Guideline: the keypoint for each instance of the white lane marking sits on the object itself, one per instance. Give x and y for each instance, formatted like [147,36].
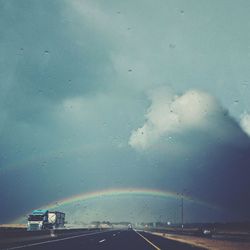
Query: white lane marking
[100,241]
[152,244]
[50,241]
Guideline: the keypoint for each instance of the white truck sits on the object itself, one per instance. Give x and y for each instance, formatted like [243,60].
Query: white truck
[44,219]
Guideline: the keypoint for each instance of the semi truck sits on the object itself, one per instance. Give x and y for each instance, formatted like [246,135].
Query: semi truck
[44,219]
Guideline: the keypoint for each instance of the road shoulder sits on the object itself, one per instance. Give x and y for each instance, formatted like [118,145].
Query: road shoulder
[208,243]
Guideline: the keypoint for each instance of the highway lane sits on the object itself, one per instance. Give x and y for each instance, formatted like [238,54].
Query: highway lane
[108,240]
[164,243]
[12,239]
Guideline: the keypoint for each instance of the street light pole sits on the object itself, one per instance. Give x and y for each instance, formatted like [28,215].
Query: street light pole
[182,209]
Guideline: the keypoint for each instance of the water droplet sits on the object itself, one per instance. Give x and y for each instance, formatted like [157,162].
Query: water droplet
[182,12]
[44,163]
[46,51]
[245,83]
[130,70]
[172,46]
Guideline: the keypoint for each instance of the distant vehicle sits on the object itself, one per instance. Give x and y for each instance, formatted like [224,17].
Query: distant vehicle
[130,227]
[45,219]
[206,231]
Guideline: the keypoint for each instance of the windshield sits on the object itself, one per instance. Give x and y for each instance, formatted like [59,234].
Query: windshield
[130,114]
[35,218]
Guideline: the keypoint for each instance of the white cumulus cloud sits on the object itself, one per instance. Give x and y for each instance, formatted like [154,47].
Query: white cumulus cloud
[170,113]
[245,122]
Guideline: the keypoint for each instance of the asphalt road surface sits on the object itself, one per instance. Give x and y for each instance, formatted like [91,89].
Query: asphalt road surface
[113,239]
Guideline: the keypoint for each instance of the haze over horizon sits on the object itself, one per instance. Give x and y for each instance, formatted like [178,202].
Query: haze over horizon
[99,95]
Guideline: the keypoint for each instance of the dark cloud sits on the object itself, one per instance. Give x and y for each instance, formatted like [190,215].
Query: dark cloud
[198,147]
[43,61]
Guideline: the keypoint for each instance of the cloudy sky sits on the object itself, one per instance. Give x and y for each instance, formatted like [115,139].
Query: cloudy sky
[125,94]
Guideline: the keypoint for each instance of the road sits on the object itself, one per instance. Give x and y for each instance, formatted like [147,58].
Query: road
[112,239]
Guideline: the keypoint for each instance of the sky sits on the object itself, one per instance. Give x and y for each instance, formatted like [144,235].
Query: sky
[99,95]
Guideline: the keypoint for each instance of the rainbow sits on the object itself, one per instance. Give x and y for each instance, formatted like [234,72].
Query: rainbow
[116,192]
[113,192]
[120,192]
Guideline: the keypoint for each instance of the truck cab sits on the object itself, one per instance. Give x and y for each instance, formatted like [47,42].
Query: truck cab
[37,220]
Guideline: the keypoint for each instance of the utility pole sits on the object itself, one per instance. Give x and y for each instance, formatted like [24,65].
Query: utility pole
[182,209]
[182,215]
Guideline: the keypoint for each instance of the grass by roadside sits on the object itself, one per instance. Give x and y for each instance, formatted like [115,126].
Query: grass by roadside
[13,226]
[208,243]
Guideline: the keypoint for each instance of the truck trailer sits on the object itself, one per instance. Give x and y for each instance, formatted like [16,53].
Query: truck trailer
[44,219]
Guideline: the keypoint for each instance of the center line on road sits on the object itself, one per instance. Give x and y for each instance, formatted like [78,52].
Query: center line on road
[102,240]
[152,244]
